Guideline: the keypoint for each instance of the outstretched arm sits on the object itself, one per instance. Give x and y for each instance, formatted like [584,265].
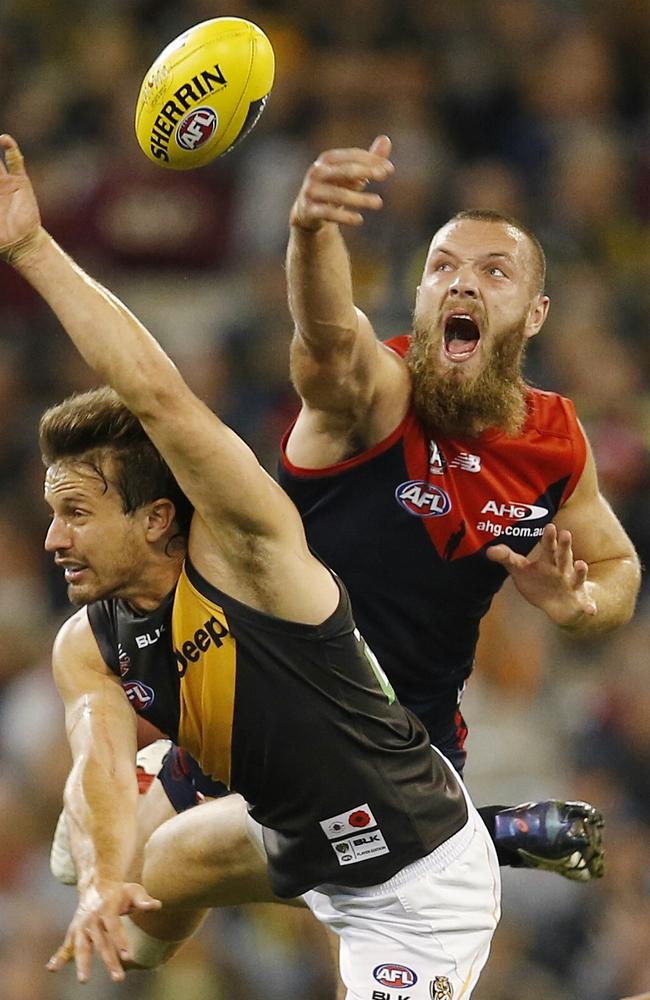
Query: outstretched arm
[101,802]
[350,385]
[214,467]
[584,573]
[247,536]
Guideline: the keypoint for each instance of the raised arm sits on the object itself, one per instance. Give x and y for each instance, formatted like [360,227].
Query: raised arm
[585,573]
[101,800]
[248,537]
[353,389]
[215,468]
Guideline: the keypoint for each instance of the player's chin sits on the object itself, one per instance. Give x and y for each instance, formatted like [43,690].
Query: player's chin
[461,371]
[83,593]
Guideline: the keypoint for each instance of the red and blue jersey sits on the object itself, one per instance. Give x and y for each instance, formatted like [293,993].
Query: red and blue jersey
[406,525]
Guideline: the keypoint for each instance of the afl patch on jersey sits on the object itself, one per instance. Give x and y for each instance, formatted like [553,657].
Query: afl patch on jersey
[140,695]
[421,499]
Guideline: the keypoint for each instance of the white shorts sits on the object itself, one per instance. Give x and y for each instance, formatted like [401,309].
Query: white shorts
[424,934]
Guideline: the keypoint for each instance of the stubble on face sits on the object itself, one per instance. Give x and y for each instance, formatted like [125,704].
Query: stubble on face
[105,550]
[111,573]
[452,404]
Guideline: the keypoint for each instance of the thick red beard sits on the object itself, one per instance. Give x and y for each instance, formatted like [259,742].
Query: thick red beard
[465,407]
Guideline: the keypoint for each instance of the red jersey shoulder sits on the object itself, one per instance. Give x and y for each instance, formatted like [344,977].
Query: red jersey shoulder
[399,344]
[551,413]
[554,416]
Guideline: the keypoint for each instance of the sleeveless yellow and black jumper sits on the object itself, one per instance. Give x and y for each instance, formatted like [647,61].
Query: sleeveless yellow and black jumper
[299,719]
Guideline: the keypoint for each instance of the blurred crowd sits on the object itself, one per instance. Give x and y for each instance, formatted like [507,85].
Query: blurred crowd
[536,108]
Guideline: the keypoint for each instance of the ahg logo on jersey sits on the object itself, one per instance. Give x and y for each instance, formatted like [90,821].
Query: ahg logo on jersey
[422,499]
[514,510]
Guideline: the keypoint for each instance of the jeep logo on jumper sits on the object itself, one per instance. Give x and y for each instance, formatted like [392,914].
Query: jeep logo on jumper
[212,631]
[422,499]
[196,128]
[395,976]
[515,511]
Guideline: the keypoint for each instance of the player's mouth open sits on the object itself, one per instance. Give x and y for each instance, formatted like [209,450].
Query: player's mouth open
[461,337]
[72,572]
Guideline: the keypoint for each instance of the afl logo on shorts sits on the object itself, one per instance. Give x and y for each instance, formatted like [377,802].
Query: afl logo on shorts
[140,695]
[422,499]
[196,128]
[397,977]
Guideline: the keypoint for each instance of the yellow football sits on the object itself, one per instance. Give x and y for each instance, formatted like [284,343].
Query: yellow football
[204,92]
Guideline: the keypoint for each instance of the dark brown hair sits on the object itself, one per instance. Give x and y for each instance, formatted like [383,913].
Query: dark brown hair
[93,426]
[487,215]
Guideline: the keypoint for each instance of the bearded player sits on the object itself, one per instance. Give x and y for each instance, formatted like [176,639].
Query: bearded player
[427,470]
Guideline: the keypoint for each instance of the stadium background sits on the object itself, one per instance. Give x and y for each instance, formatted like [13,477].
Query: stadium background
[539,108]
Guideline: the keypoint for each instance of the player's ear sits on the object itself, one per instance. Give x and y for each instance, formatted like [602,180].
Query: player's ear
[159,519]
[537,314]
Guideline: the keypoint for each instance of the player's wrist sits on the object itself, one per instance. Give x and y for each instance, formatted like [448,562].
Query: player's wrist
[297,221]
[21,250]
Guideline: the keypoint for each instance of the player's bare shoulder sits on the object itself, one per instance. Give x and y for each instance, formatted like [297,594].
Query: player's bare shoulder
[75,649]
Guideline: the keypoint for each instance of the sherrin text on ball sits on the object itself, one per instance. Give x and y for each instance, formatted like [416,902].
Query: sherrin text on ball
[204,92]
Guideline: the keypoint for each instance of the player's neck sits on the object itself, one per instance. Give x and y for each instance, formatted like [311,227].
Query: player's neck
[153,584]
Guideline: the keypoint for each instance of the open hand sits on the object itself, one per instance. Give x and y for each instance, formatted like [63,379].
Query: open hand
[549,578]
[96,927]
[334,186]
[20,218]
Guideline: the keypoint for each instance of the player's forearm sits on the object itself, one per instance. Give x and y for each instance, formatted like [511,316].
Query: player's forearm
[614,586]
[320,292]
[101,815]
[108,336]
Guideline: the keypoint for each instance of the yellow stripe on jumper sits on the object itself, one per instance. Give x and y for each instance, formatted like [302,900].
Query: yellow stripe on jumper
[206,657]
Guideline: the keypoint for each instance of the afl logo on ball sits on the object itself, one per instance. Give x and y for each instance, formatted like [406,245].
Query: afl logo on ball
[422,499]
[196,128]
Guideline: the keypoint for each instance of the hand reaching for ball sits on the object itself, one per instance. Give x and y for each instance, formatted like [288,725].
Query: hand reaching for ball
[334,188]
